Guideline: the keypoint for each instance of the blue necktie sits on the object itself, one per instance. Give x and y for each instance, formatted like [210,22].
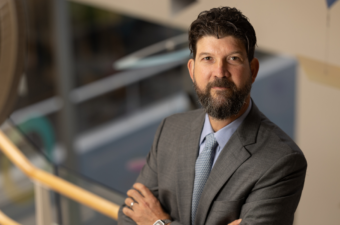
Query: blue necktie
[202,170]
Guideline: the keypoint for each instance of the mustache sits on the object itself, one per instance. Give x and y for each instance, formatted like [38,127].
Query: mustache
[223,83]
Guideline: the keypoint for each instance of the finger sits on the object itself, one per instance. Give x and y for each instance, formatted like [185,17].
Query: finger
[128,212]
[128,202]
[135,195]
[236,222]
[143,190]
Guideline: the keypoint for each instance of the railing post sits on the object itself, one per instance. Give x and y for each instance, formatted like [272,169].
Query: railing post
[42,204]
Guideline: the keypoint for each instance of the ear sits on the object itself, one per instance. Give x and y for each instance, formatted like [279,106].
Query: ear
[191,66]
[254,67]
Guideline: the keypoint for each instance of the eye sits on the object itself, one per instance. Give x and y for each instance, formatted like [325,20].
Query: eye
[236,60]
[208,58]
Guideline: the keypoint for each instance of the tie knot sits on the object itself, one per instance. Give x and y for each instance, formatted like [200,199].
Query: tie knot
[210,141]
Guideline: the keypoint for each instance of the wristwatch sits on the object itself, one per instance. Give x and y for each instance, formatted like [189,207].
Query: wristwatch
[162,222]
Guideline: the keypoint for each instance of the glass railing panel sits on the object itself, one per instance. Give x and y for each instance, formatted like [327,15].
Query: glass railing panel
[46,161]
[38,157]
[17,190]
[74,213]
[92,186]
[17,193]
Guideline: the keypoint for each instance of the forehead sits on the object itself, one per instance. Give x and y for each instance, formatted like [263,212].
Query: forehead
[221,46]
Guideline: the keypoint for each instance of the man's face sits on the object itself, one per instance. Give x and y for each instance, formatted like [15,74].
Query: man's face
[222,75]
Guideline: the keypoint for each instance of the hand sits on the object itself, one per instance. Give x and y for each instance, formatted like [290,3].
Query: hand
[146,209]
[236,222]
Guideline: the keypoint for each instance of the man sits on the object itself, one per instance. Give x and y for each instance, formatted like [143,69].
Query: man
[226,163]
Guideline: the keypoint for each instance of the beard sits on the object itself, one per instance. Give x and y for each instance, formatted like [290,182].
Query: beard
[225,103]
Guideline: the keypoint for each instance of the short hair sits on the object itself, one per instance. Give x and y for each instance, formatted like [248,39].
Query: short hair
[222,22]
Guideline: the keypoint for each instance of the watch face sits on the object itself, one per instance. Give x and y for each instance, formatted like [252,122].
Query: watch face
[158,222]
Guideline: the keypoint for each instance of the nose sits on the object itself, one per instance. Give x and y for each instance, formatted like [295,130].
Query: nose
[221,69]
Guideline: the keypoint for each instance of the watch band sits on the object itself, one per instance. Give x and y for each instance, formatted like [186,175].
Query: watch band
[162,222]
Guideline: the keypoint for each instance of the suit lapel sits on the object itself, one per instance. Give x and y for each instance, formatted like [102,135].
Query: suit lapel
[186,168]
[232,156]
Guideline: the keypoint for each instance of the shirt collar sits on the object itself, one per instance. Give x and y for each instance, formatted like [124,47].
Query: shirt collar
[223,135]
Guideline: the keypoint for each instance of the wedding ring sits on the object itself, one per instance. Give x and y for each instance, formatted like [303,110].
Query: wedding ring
[131,205]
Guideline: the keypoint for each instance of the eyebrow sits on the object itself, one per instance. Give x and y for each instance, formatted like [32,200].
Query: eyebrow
[208,53]
[204,53]
[236,52]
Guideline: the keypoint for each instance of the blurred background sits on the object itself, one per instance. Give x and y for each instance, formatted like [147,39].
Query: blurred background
[100,75]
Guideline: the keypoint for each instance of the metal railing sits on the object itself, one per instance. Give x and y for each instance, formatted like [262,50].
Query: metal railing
[44,180]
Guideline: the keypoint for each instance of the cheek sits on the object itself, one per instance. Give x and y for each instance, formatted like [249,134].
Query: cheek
[204,75]
[241,76]
[201,76]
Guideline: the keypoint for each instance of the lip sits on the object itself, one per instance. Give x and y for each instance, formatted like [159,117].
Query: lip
[219,88]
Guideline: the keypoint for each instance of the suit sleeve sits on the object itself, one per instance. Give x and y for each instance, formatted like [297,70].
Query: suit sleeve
[277,193]
[148,175]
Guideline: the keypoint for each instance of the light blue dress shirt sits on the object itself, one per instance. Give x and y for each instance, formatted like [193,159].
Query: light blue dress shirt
[223,135]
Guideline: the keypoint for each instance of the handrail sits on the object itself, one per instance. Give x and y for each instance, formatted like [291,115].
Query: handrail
[5,220]
[57,184]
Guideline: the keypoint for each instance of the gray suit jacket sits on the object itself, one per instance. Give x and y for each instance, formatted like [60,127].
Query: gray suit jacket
[258,176]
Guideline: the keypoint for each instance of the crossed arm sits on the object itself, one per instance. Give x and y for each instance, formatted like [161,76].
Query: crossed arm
[272,201]
[146,209]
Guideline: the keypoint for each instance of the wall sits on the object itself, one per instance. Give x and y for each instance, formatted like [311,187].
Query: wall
[318,133]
